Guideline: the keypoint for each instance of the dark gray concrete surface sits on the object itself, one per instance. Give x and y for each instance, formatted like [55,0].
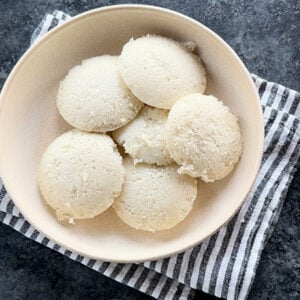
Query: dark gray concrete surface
[266,35]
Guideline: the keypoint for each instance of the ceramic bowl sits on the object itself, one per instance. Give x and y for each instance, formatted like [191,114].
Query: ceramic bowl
[29,121]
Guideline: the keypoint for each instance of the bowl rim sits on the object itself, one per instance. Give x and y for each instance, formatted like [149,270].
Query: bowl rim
[157,9]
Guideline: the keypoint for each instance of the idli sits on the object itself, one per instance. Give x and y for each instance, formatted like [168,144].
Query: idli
[154,198]
[93,96]
[80,174]
[144,138]
[203,137]
[159,70]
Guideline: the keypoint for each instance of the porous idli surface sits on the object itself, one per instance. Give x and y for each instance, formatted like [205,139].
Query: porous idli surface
[93,97]
[80,174]
[203,137]
[144,139]
[159,71]
[154,198]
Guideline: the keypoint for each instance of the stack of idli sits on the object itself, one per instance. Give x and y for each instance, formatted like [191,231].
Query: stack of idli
[150,102]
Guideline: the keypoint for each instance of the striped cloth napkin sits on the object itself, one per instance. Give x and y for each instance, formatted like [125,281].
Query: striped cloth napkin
[224,264]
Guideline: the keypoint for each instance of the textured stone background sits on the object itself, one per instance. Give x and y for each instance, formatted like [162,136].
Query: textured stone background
[266,35]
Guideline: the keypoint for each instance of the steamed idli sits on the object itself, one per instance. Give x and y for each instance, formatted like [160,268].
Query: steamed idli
[144,139]
[93,97]
[80,174]
[154,198]
[204,137]
[159,70]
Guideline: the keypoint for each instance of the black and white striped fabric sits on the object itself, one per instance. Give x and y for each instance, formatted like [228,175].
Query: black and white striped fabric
[224,264]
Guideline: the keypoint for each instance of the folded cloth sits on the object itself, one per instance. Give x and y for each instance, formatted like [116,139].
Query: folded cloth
[224,264]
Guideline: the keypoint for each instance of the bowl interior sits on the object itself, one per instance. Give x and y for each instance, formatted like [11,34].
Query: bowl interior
[30,121]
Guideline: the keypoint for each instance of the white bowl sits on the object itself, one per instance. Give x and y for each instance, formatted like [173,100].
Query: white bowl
[29,121]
